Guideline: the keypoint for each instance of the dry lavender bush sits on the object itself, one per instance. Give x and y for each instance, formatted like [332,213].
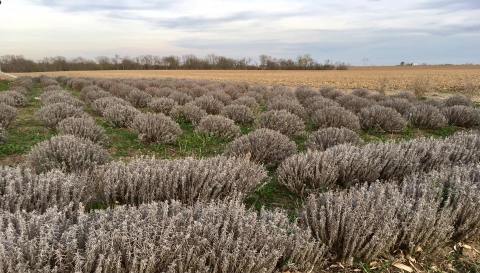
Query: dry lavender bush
[359,223]
[319,102]
[159,237]
[13,98]
[210,104]
[325,138]
[139,98]
[428,117]
[180,98]
[382,118]
[304,94]
[218,126]
[101,104]
[289,104]
[363,93]
[458,189]
[310,172]
[354,103]
[68,153]
[462,116]
[120,115]
[93,92]
[283,121]
[189,112]
[337,117]
[7,115]
[23,190]
[58,96]
[162,105]
[83,127]
[156,128]
[238,113]
[3,135]
[263,145]
[330,93]
[458,100]
[248,101]
[50,115]
[384,161]
[408,216]
[188,180]
[402,106]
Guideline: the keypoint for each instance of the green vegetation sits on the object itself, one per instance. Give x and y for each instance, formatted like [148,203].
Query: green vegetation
[26,131]
[124,142]
[3,85]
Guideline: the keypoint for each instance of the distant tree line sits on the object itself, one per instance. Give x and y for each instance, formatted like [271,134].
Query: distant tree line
[18,63]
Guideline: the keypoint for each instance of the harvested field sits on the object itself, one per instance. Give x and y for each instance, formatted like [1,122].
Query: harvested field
[437,78]
[298,180]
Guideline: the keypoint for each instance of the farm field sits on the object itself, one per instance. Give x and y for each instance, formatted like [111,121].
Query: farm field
[234,172]
[439,78]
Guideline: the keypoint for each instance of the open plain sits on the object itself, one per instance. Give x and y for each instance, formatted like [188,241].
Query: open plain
[438,78]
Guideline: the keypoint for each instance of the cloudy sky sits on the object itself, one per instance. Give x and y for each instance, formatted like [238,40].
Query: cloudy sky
[355,31]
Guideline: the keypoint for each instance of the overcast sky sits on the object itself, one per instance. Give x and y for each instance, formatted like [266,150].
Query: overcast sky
[354,31]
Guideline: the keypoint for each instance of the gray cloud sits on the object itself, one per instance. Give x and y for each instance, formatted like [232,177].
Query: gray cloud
[105,5]
[451,5]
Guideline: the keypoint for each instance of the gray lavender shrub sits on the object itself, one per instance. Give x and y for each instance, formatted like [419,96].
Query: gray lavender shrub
[238,113]
[371,162]
[304,94]
[289,104]
[120,115]
[162,105]
[3,135]
[50,115]
[354,103]
[139,98]
[159,237]
[382,119]
[263,145]
[283,121]
[156,128]
[402,106]
[23,190]
[413,218]
[218,126]
[91,93]
[317,103]
[330,93]
[180,98]
[188,180]
[325,138]
[408,95]
[428,117]
[189,112]
[221,96]
[62,97]
[248,101]
[101,104]
[83,127]
[458,100]
[13,98]
[210,104]
[68,153]
[7,115]
[363,93]
[424,223]
[337,117]
[462,116]
[310,172]
[462,184]
[358,223]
